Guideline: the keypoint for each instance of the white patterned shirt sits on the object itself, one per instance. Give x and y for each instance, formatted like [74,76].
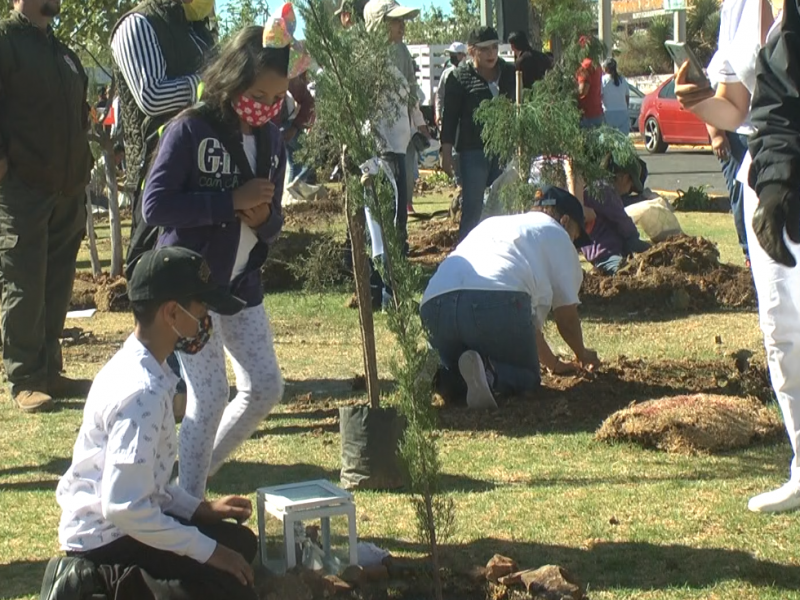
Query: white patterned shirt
[118,483]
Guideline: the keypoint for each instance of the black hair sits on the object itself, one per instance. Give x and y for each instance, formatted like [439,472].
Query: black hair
[610,66]
[519,40]
[144,311]
[236,67]
[119,148]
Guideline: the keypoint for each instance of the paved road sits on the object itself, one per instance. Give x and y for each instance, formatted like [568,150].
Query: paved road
[680,168]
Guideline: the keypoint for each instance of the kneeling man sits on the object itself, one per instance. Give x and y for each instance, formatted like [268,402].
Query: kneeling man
[128,533]
[486,305]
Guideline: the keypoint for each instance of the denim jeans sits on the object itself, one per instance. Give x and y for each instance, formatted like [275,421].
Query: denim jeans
[498,325]
[478,172]
[730,167]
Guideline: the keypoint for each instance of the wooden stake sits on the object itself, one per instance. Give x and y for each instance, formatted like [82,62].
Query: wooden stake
[97,268]
[523,173]
[356,223]
[115,225]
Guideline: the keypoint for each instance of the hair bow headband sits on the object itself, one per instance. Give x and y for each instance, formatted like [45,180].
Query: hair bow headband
[279,33]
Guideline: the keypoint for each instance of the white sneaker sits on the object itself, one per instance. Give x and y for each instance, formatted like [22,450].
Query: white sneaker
[786,497]
[479,394]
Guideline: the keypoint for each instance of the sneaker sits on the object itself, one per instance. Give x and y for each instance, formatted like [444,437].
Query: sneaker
[786,497]
[410,209]
[479,394]
[63,387]
[71,579]
[32,401]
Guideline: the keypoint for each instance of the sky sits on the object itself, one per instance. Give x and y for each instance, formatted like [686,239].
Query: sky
[275,4]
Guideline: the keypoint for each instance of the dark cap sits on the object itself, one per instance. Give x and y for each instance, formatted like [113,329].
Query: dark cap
[483,36]
[566,204]
[175,273]
[632,168]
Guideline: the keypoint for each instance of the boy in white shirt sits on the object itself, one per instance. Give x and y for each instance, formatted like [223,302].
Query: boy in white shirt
[486,305]
[128,533]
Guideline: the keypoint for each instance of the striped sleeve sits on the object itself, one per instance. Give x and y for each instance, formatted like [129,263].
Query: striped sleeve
[138,55]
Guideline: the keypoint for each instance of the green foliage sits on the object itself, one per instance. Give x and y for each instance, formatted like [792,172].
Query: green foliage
[350,90]
[547,125]
[695,199]
[702,28]
[566,20]
[434,26]
[321,269]
[86,26]
[240,14]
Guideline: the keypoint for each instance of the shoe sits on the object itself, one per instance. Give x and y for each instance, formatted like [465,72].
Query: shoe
[32,401]
[479,394]
[71,579]
[63,387]
[786,497]
[410,209]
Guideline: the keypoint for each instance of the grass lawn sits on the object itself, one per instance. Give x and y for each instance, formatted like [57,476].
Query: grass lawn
[629,523]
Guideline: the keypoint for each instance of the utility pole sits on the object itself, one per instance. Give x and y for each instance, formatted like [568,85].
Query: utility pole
[604,25]
[487,10]
[679,25]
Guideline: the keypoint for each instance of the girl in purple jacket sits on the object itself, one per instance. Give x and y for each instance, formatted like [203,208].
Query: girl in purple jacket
[202,199]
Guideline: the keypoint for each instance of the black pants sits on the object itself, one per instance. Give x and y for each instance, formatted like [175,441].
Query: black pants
[40,235]
[134,571]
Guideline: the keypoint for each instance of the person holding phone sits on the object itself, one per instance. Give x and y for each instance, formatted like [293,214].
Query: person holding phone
[744,28]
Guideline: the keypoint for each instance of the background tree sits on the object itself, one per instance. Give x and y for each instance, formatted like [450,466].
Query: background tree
[86,26]
[435,26]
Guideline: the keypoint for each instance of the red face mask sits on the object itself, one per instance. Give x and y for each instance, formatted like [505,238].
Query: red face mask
[255,113]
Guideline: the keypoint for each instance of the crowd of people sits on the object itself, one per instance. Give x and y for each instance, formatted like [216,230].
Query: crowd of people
[208,142]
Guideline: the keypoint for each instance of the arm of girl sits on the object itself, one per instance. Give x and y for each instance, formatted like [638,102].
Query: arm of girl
[169,199]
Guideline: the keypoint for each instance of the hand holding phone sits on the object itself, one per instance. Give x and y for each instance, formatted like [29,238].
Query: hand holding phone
[681,54]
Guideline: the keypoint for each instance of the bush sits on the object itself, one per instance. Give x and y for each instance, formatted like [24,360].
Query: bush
[695,199]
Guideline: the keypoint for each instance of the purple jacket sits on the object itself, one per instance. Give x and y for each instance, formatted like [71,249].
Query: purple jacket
[612,228]
[189,194]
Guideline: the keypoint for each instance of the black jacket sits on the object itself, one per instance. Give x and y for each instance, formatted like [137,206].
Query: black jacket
[534,65]
[44,117]
[463,93]
[775,146]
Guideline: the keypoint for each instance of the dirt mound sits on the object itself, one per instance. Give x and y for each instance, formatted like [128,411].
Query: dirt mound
[681,274]
[105,294]
[689,424]
[583,402]
[316,212]
[432,241]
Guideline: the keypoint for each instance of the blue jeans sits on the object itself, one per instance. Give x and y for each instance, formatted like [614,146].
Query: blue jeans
[592,122]
[730,167]
[478,172]
[497,325]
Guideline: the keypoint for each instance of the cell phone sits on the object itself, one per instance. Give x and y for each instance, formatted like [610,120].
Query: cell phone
[681,53]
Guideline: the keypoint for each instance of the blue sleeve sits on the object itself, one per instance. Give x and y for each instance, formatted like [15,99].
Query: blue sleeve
[168,200]
[271,228]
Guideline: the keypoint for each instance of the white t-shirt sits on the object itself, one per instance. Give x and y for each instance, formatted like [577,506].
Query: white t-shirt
[394,129]
[739,44]
[247,238]
[529,253]
[614,95]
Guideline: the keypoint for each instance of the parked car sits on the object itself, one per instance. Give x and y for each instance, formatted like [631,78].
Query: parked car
[635,106]
[663,121]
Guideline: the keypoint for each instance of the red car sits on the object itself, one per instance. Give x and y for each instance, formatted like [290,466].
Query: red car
[663,121]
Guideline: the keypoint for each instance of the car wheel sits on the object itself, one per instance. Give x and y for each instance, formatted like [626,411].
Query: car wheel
[653,141]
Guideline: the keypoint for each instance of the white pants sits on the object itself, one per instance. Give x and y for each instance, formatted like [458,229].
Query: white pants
[778,291]
[212,427]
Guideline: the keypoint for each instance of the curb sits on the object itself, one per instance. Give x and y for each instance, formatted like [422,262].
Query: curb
[703,147]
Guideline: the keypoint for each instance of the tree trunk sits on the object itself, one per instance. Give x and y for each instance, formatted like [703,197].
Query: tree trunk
[355,225]
[113,209]
[97,268]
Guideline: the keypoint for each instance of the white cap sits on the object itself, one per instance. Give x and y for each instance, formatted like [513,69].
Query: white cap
[377,11]
[457,48]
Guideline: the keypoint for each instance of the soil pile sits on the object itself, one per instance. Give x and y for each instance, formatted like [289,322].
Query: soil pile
[582,402]
[690,424]
[432,241]
[106,294]
[680,274]
[301,255]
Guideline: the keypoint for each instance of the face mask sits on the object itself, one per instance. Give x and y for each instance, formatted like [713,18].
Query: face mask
[255,113]
[193,345]
[198,10]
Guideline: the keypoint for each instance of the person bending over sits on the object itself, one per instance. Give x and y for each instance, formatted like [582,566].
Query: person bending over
[486,305]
